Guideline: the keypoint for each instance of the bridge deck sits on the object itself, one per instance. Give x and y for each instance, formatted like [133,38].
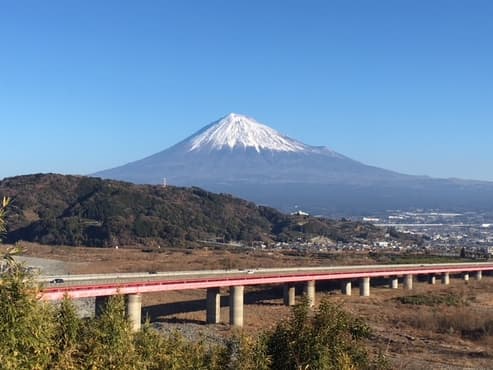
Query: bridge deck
[81,286]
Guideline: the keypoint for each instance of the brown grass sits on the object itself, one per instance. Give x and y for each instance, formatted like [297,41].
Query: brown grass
[473,323]
[81,260]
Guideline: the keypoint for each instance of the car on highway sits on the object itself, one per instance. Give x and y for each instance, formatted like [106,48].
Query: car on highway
[57,281]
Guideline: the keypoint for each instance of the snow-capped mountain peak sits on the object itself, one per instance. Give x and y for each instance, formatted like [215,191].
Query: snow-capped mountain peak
[238,131]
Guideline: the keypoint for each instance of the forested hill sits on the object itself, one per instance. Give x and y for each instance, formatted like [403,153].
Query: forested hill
[77,210]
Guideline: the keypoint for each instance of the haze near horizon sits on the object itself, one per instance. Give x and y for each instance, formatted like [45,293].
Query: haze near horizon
[404,86]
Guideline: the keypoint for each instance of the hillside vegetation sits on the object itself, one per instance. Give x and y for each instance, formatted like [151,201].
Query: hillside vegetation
[78,210]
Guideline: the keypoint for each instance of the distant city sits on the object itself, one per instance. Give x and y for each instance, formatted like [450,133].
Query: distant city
[467,234]
[443,232]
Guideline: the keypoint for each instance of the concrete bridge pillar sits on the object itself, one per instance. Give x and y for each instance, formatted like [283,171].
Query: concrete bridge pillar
[446,278]
[431,279]
[408,282]
[394,283]
[364,287]
[289,294]
[133,307]
[100,304]
[466,276]
[213,305]
[236,305]
[479,275]
[346,287]
[309,291]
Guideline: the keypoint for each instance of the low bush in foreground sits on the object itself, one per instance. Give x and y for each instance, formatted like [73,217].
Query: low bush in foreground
[328,338]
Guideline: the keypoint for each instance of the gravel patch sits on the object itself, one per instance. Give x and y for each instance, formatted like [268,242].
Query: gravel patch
[209,334]
[45,266]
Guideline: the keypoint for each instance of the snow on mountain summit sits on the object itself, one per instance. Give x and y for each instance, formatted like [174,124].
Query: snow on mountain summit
[238,131]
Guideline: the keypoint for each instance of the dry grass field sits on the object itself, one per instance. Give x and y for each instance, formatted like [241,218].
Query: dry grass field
[430,327]
[81,260]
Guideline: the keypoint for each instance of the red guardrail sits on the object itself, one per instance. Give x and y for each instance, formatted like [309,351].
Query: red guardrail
[93,290]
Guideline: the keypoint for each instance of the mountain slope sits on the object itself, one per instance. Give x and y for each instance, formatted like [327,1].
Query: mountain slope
[75,210]
[239,149]
[241,156]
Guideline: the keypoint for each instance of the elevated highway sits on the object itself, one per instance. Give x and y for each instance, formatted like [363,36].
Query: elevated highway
[133,285]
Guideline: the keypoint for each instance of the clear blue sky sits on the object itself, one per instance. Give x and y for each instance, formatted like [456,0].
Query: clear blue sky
[405,85]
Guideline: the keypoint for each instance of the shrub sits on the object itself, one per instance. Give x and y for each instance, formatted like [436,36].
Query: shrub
[430,299]
[244,353]
[26,325]
[464,322]
[3,210]
[327,339]
[109,341]
[68,334]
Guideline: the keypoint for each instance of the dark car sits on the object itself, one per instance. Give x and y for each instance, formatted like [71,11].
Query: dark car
[57,281]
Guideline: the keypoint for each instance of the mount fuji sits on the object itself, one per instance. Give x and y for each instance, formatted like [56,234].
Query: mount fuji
[238,155]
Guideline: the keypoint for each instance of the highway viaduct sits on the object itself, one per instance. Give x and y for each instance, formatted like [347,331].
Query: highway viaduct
[133,285]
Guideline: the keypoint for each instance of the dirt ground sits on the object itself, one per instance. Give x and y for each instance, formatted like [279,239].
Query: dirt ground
[455,334]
